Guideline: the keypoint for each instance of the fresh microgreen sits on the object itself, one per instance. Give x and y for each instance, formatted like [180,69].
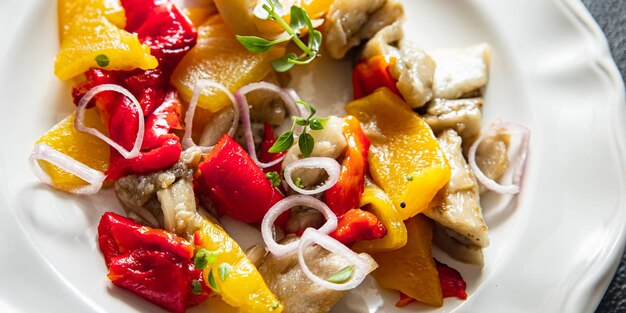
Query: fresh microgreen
[298,183]
[102,60]
[204,257]
[273,10]
[342,276]
[306,142]
[196,287]
[274,178]
[212,282]
[223,270]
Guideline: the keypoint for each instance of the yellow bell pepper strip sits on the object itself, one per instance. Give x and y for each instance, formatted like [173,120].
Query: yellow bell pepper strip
[82,147]
[67,10]
[219,57]
[411,269]
[243,286]
[405,158]
[90,40]
[375,200]
[199,15]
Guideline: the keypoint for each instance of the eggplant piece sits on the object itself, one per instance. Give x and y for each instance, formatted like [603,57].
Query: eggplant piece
[461,72]
[296,292]
[413,68]
[456,208]
[463,115]
[351,21]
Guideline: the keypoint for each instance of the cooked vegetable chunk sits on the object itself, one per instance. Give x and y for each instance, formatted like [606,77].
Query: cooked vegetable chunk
[457,206]
[411,269]
[351,21]
[463,115]
[405,158]
[461,71]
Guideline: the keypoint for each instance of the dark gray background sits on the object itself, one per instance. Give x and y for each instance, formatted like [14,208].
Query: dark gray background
[611,16]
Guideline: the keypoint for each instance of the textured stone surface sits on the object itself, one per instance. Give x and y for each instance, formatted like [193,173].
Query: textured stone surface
[611,16]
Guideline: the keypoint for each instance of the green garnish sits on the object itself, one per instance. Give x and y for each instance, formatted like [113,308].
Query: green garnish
[196,287]
[342,276]
[212,282]
[306,142]
[275,305]
[102,60]
[223,270]
[409,177]
[299,183]
[274,178]
[205,257]
[299,20]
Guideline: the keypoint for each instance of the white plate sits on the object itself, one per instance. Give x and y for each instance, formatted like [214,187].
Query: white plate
[554,251]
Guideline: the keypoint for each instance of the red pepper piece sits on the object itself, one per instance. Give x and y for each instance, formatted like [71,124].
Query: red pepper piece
[372,74]
[235,184]
[357,225]
[452,285]
[118,235]
[159,277]
[162,26]
[264,155]
[346,194]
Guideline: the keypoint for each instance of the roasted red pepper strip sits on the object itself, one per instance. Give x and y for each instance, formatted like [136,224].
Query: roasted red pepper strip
[371,74]
[235,184]
[452,285]
[151,263]
[357,225]
[264,155]
[346,194]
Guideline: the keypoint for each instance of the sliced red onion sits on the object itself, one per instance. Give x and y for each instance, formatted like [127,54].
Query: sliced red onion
[46,153]
[363,263]
[244,110]
[285,205]
[191,111]
[330,165]
[79,122]
[496,128]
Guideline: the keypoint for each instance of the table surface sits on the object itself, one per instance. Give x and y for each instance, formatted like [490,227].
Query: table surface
[611,16]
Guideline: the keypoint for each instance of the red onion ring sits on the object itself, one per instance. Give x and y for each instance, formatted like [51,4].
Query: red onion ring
[244,110]
[363,263]
[283,206]
[330,165]
[46,153]
[191,111]
[79,122]
[495,128]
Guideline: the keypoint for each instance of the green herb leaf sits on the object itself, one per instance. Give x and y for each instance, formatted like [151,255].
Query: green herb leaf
[342,276]
[315,40]
[196,287]
[308,106]
[283,143]
[298,183]
[223,270]
[212,282]
[102,60]
[316,124]
[299,18]
[302,122]
[255,44]
[306,143]
[205,257]
[274,178]
[283,64]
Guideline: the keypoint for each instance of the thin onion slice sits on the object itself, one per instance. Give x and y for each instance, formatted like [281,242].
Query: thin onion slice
[362,263]
[496,128]
[191,111]
[285,205]
[330,165]
[79,122]
[244,111]
[43,152]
